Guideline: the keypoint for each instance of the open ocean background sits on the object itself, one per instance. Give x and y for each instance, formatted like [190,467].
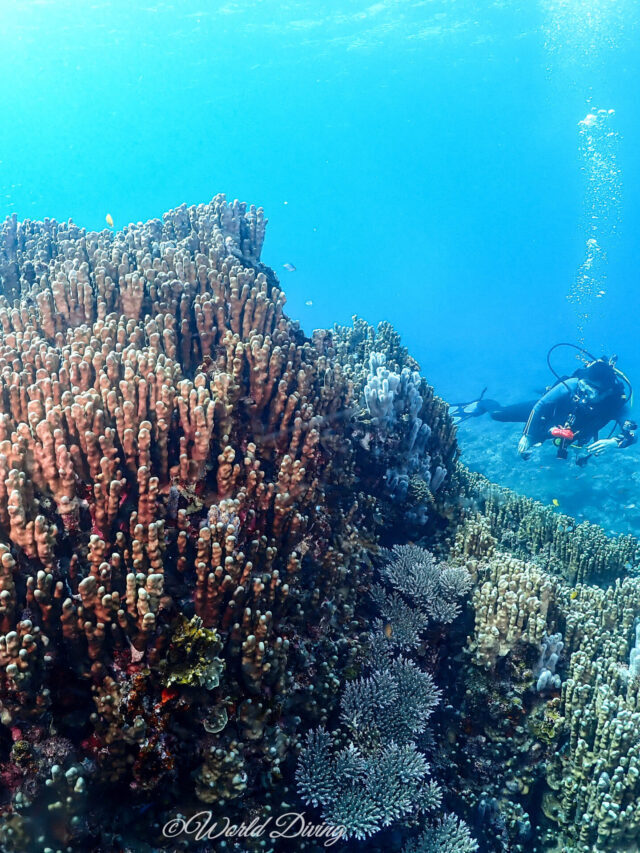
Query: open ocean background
[419,162]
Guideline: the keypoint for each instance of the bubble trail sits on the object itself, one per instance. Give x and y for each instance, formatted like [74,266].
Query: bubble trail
[598,143]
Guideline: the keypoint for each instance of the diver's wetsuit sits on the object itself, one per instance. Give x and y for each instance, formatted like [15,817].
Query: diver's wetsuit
[555,407]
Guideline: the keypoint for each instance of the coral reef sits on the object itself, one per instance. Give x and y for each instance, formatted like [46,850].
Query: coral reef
[595,779]
[186,527]
[578,552]
[569,735]
[404,440]
[237,562]
[164,487]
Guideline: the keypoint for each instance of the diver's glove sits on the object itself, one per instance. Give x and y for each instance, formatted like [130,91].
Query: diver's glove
[603,446]
[524,447]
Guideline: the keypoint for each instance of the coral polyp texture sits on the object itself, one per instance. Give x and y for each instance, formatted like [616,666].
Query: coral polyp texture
[184,532]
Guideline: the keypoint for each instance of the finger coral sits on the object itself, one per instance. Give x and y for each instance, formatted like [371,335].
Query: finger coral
[160,428]
[579,552]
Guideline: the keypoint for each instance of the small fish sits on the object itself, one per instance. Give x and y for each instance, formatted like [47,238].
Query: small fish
[574,594]
[109,220]
[555,502]
[388,630]
[309,302]
[289,267]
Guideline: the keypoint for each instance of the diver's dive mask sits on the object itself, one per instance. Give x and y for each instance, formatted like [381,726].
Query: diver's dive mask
[586,393]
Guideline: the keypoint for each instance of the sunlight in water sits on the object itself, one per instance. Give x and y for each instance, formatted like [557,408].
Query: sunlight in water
[579,31]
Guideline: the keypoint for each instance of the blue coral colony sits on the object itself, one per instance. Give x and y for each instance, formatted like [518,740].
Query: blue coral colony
[242,572]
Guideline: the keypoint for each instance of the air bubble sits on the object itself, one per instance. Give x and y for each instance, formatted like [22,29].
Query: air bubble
[598,149]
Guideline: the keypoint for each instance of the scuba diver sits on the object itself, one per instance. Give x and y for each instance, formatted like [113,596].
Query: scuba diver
[571,412]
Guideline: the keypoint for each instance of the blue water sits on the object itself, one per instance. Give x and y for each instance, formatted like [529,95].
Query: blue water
[418,162]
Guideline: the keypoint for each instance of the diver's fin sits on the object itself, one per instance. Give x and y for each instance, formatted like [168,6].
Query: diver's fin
[461,412]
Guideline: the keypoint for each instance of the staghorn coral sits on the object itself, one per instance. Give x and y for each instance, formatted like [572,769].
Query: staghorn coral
[364,791]
[425,595]
[392,705]
[403,623]
[373,773]
[447,835]
[431,587]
